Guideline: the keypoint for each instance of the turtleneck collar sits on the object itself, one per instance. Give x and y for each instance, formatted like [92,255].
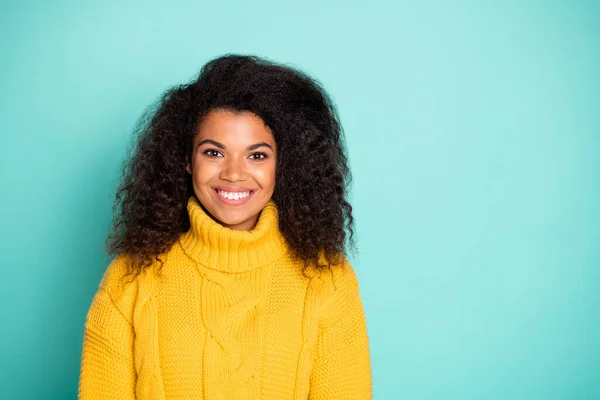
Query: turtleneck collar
[229,250]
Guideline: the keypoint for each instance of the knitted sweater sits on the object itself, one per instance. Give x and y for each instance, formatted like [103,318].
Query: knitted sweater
[230,316]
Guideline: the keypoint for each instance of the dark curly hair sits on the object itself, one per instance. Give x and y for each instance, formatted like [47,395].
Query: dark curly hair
[312,174]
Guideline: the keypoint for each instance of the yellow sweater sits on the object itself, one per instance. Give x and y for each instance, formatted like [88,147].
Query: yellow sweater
[231,317]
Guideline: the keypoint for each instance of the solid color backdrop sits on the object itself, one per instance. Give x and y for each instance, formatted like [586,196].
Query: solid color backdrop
[474,134]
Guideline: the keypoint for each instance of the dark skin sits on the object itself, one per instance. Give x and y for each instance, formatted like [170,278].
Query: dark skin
[233,167]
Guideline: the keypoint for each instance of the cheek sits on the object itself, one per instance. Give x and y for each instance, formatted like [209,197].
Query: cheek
[204,172]
[265,176]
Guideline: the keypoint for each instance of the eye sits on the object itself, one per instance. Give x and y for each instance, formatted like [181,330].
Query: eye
[258,156]
[212,153]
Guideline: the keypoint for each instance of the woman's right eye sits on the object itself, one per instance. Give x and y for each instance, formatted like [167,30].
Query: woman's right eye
[211,153]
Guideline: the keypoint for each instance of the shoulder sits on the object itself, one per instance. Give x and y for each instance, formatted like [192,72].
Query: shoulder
[344,272]
[122,287]
[115,273]
[341,291]
[118,277]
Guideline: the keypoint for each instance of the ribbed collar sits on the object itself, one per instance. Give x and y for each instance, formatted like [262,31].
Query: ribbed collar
[229,250]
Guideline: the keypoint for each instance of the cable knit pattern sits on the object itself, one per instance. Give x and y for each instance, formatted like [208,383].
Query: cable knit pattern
[232,316]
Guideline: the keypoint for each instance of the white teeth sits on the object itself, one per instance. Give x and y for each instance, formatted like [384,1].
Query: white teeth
[233,195]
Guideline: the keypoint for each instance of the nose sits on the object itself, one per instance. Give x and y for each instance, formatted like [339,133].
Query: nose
[233,170]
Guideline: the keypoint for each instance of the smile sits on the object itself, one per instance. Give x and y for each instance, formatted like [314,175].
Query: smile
[234,198]
[233,195]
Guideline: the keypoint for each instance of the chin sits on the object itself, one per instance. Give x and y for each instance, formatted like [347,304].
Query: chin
[231,216]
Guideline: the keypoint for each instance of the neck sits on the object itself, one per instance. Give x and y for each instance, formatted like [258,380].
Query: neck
[230,250]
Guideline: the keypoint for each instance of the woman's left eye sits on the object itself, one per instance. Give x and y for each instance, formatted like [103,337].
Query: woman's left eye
[258,156]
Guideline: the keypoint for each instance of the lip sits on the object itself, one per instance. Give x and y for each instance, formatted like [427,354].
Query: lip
[233,189]
[230,189]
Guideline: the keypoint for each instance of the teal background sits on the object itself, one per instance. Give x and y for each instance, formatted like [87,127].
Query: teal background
[474,134]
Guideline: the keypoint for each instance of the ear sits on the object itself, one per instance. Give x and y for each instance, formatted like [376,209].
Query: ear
[188,166]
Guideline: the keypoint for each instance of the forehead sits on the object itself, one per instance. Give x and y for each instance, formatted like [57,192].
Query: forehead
[233,126]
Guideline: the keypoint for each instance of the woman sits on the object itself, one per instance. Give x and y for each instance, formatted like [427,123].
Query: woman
[230,279]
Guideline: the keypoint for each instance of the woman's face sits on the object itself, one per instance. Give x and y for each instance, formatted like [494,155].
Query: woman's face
[233,167]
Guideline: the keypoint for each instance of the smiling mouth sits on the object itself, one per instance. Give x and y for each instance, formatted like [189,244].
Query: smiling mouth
[233,196]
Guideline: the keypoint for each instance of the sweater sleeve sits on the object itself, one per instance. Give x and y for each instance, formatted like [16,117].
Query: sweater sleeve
[342,369]
[107,365]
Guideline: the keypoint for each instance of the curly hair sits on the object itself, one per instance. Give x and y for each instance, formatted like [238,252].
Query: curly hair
[312,173]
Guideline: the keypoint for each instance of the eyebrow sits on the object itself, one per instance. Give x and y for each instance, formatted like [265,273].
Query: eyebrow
[222,146]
